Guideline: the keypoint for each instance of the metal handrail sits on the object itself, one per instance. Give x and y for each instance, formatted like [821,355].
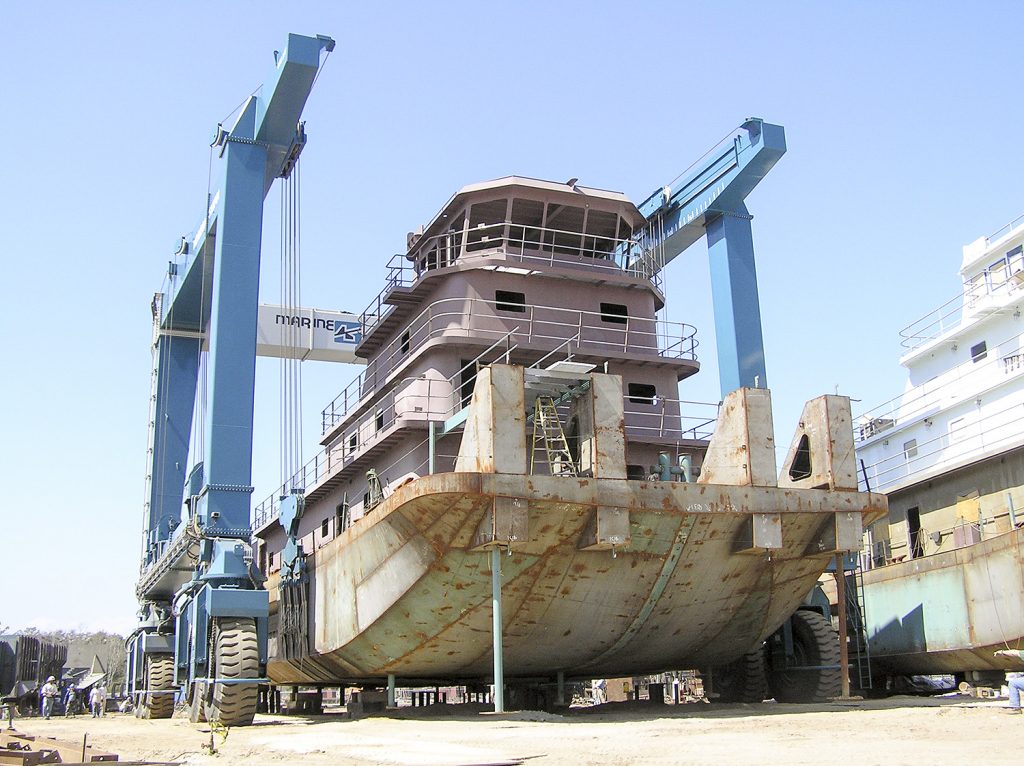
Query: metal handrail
[448,401]
[950,314]
[671,340]
[890,469]
[918,401]
[1004,230]
[616,257]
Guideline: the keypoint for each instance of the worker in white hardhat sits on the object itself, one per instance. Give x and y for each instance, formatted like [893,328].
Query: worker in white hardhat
[49,693]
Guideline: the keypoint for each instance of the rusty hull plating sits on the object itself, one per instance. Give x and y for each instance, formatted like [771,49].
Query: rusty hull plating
[605,576]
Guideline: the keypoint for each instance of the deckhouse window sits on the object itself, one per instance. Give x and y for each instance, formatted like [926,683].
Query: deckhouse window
[642,393]
[614,313]
[505,300]
[979,351]
[910,449]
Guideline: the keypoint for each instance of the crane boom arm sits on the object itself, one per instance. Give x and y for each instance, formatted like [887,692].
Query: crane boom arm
[709,199]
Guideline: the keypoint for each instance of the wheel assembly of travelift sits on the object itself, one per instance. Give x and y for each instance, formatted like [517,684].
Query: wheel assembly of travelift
[158,700]
[231,697]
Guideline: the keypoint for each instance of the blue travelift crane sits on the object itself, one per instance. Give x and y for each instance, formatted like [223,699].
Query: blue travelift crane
[203,610]
[802,657]
[709,199]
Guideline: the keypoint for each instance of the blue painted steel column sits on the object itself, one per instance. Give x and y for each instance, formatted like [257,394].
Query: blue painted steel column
[737,309]
[232,332]
[177,366]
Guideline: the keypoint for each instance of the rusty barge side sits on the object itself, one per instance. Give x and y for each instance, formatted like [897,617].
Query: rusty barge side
[604,575]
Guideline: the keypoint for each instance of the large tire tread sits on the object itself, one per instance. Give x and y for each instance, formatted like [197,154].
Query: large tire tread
[159,678]
[816,643]
[236,656]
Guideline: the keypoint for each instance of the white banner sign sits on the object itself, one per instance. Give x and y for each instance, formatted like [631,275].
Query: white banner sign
[325,336]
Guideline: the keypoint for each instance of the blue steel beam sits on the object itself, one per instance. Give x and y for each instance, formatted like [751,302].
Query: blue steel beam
[710,199]
[275,126]
[214,290]
[177,366]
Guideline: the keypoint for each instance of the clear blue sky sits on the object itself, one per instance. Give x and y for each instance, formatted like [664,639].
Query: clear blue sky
[901,120]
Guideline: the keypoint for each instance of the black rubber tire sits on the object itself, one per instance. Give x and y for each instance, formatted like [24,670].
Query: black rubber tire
[197,702]
[159,678]
[743,680]
[815,642]
[236,655]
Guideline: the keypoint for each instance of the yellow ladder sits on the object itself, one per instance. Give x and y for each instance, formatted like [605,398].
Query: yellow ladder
[549,437]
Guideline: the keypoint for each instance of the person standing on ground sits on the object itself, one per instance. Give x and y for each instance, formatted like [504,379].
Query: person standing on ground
[49,693]
[1014,680]
[98,699]
[70,701]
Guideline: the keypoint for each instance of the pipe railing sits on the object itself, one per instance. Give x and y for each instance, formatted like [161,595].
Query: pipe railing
[543,247]
[475,317]
[967,378]
[974,437]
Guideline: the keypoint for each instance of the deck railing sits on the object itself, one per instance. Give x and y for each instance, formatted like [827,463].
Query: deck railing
[529,246]
[594,332]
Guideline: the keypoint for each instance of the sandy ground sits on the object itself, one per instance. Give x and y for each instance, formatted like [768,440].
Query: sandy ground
[899,730]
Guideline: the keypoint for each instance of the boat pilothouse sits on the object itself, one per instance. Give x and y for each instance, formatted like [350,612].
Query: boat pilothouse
[942,589]
[549,276]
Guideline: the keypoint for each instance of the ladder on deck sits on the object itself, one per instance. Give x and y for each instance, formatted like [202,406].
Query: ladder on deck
[856,628]
[549,439]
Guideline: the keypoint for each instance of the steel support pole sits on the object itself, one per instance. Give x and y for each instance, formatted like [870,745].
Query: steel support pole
[844,652]
[560,699]
[431,450]
[391,690]
[499,670]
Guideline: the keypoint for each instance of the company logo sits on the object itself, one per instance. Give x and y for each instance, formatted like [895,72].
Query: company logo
[347,332]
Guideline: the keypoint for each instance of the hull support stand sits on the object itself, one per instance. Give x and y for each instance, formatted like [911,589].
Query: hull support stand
[844,652]
[391,690]
[499,670]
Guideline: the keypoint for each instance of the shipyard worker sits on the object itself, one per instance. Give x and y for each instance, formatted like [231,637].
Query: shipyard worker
[1015,681]
[98,700]
[70,701]
[48,693]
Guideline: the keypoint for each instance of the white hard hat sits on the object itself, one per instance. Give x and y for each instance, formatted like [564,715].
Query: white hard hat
[51,678]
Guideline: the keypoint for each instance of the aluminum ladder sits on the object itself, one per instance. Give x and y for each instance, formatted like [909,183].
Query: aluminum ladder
[549,437]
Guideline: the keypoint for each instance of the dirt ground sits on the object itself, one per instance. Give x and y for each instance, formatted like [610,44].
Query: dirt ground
[899,730]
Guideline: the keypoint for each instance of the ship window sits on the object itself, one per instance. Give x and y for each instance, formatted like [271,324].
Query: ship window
[614,313]
[957,431]
[325,527]
[565,228]
[527,220]
[600,233]
[486,225]
[642,393]
[378,421]
[910,449]
[467,381]
[405,342]
[341,512]
[504,300]
[979,351]
[997,273]
[915,538]
[635,472]
[1015,262]
[353,442]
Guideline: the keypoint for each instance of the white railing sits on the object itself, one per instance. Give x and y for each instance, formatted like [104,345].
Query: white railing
[965,380]
[993,430]
[535,325]
[530,246]
[990,286]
